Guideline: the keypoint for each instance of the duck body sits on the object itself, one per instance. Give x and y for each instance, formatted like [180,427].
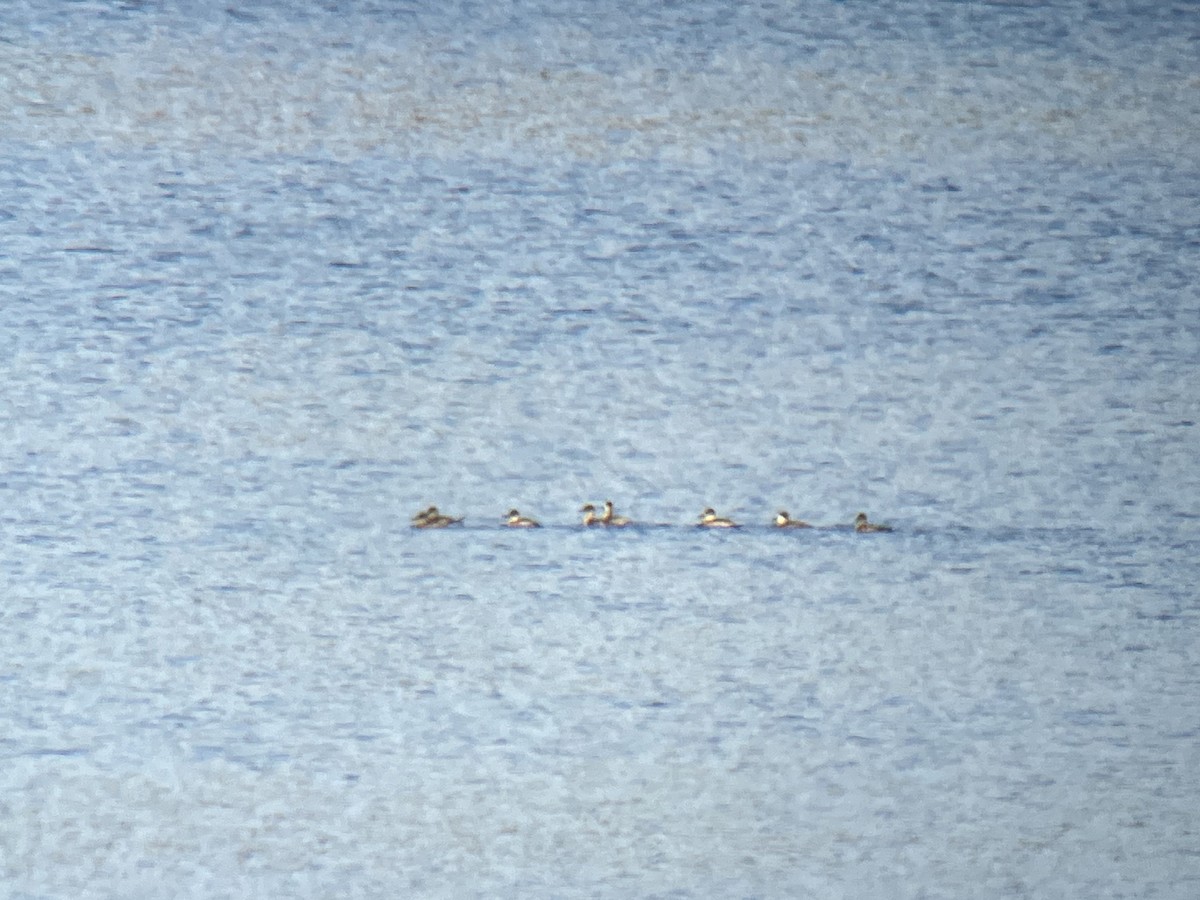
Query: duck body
[516,520]
[432,518]
[863,526]
[782,520]
[589,516]
[610,519]
[710,519]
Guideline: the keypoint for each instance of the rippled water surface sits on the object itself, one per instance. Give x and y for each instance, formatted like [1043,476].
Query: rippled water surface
[275,277]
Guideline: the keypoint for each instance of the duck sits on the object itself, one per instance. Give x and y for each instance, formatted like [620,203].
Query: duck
[611,520]
[589,515]
[431,518]
[710,519]
[862,526]
[516,520]
[782,520]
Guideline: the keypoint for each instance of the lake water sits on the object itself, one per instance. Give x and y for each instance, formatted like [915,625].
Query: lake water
[275,276]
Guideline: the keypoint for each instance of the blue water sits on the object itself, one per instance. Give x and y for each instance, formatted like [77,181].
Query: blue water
[276,276]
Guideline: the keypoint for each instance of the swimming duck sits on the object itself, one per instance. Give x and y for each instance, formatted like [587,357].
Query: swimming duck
[783,521]
[862,526]
[431,518]
[516,520]
[611,520]
[710,519]
[589,515]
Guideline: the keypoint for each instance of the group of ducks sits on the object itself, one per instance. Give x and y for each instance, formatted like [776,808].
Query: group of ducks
[432,518]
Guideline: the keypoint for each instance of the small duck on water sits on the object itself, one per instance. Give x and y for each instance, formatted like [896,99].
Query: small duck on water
[862,526]
[783,521]
[710,519]
[516,520]
[612,520]
[431,518]
[589,515]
